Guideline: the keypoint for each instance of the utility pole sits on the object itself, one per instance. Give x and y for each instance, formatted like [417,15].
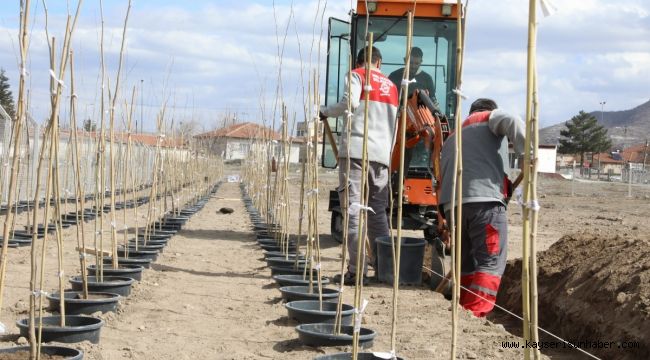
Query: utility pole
[141,107]
[645,154]
[602,123]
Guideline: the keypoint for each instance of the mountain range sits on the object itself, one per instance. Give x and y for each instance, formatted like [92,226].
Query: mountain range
[625,128]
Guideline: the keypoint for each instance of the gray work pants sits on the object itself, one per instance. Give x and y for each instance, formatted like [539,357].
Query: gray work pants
[377,223]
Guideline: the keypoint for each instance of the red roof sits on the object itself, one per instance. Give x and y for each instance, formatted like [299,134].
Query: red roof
[137,138]
[633,154]
[245,130]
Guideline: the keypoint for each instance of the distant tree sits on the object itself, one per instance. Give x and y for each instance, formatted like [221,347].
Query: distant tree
[583,135]
[6,97]
[89,125]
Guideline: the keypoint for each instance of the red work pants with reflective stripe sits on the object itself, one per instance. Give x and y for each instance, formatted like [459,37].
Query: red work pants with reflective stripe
[483,255]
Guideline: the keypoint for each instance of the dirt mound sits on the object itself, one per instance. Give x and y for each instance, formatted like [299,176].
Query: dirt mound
[591,288]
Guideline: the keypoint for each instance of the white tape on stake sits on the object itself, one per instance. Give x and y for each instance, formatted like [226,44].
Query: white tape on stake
[355,208]
[367,88]
[548,9]
[406,82]
[359,315]
[385,355]
[459,93]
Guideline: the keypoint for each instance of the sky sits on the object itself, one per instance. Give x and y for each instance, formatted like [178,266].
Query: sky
[206,59]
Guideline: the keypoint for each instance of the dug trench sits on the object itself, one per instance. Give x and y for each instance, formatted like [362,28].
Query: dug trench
[593,289]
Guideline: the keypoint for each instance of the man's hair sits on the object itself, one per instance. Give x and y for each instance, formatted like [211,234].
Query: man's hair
[482,104]
[416,52]
[361,56]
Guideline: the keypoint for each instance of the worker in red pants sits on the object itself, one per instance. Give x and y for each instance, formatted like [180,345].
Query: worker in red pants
[486,187]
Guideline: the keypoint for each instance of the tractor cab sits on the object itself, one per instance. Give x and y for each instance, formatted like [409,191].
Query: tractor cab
[434,33]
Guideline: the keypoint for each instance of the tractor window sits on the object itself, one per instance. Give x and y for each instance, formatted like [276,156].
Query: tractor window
[337,69]
[436,38]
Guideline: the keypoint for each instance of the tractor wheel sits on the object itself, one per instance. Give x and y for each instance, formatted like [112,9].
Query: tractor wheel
[336,227]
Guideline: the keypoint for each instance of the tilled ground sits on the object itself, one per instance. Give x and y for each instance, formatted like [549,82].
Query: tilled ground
[209,296]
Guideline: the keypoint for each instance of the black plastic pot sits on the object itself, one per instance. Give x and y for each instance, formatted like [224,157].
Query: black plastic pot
[145,263]
[323,335]
[111,284]
[65,352]
[78,328]
[412,257]
[149,247]
[140,254]
[154,236]
[124,270]
[141,242]
[22,234]
[273,242]
[287,270]
[348,356]
[282,262]
[297,293]
[309,312]
[277,248]
[297,280]
[280,254]
[75,304]
[175,220]
[166,226]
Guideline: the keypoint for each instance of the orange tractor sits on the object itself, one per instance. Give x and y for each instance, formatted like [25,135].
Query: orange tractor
[429,113]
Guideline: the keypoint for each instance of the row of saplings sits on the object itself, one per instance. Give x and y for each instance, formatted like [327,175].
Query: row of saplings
[105,289]
[323,318]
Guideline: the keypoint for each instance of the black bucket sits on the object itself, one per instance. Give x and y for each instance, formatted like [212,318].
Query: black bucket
[77,329]
[65,352]
[123,270]
[111,284]
[75,304]
[309,312]
[323,335]
[412,257]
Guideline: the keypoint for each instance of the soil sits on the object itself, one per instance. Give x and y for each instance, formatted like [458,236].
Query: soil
[210,295]
[592,288]
[24,355]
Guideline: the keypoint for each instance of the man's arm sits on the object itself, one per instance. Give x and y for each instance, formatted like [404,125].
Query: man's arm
[504,124]
[338,109]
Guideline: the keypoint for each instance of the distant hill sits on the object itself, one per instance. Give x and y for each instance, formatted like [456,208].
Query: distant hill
[625,128]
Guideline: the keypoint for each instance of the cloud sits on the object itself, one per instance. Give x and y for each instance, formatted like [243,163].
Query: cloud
[225,54]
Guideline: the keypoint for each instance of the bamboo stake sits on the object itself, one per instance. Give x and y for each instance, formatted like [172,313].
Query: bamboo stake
[345,211]
[457,185]
[21,112]
[79,194]
[397,248]
[100,163]
[315,192]
[127,176]
[112,139]
[529,212]
[364,202]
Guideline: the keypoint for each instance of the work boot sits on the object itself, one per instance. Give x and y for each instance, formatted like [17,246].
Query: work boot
[349,279]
